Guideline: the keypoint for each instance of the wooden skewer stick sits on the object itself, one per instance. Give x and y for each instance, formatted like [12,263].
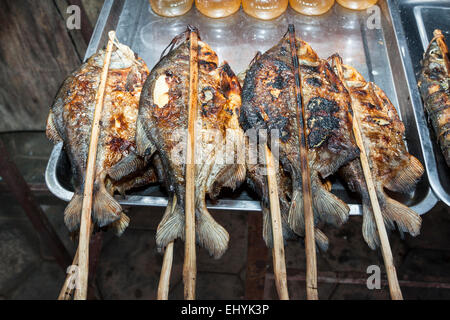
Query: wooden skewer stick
[83,245]
[190,267]
[279,263]
[65,292]
[394,287]
[310,245]
[166,269]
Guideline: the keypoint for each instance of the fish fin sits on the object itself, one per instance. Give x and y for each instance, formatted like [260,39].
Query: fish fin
[121,224]
[229,177]
[257,56]
[406,219]
[144,146]
[171,226]
[406,179]
[126,166]
[210,235]
[288,234]
[237,177]
[149,176]
[369,227]
[321,240]
[328,207]
[72,213]
[241,76]
[267,226]
[295,217]
[327,167]
[106,209]
[297,221]
[50,131]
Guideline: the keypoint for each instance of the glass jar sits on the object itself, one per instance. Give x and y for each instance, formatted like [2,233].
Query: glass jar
[357,4]
[311,7]
[264,9]
[217,8]
[171,8]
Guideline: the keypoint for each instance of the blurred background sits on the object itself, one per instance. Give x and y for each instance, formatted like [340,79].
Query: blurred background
[37,52]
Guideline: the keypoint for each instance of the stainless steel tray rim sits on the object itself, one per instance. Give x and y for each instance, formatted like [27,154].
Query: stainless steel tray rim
[418,111]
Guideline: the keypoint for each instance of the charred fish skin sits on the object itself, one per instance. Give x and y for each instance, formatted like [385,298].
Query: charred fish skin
[257,181]
[434,84]
[269,102]
[70,121]
[162,125]
[391,165]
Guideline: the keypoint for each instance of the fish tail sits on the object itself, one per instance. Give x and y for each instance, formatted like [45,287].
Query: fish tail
[106,209]
[406,179]
[297,222]
[210,235]
[121,224]
[369,228]
[329,208]
[72,213]
[406,219]
[171,226]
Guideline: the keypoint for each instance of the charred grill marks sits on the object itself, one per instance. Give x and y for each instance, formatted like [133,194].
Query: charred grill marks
[313,81]
[321,121]
[270,102]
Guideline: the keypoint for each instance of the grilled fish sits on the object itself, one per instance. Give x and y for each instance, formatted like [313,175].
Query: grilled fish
[70,121]
[269,103]
[434,84]
[162,125]
[391,165]
[256,179]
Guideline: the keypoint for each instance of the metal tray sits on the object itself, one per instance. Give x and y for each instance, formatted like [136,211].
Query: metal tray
[236,39]
[414,22]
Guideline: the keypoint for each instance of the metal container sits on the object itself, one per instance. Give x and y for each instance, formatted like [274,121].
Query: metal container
[236,39]
[414,22]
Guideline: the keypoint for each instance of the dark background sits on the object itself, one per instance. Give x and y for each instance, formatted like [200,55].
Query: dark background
[37,52]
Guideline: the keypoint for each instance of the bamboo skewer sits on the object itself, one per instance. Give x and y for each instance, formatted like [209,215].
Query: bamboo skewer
[279,263]
[83,245]
[190,267]
[166,269]
[65,292]
[310,245]
[394,286]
